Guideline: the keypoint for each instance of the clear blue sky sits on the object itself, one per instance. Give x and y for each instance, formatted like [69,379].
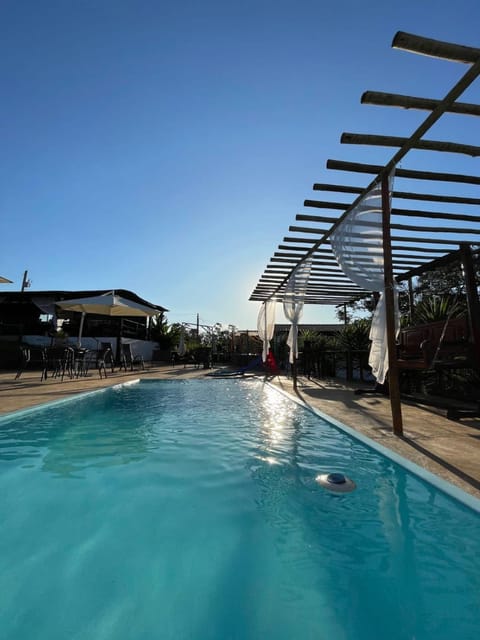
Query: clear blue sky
[165,147]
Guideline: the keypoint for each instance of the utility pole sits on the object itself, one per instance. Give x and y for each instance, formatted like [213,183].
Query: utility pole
[26,282]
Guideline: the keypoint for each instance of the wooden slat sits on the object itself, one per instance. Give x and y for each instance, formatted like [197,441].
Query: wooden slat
[327,260]
[289,247]
[382,99]
[281,254]
[396,225]
[325,204]
[434,48]
[295,229]
[435,215]
[418,250]
[405,195]
[320,232]
[451,257]
[417,213]
[396,141]
[404,248]
[299,240]
[358,167]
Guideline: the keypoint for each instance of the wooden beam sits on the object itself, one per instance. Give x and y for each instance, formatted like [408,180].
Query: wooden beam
[342,206]
[442,261]
[307,218]
[289,247]
[473,303]
[382,99]
[299,240]
[396,141]
[358,167]
[434,48]
[396,238]
[436,215]
[329,259]
[323,204]
[405,195]
[427,250]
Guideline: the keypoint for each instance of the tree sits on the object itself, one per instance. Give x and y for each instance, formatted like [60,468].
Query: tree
[355,336]
[444,281]
[356,308]
[166,335]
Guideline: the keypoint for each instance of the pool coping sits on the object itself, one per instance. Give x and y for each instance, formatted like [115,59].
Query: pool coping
[55,403]
[439,483]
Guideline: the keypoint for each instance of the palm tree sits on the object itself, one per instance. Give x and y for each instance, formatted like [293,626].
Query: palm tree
[435,308]
[354,339]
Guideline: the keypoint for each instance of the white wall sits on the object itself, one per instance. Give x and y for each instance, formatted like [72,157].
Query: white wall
[142,348]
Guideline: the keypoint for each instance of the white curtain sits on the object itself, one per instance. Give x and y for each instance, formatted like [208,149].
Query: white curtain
[181,349]
[357,244]
[293,303]
[266,325]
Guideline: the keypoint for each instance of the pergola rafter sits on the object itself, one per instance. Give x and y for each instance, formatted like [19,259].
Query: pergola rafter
[435,236]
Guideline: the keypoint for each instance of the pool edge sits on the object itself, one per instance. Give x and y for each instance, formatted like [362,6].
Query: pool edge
[54,403]
[428,476]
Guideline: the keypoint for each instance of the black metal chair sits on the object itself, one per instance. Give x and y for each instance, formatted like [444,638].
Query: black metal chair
[129,360]
[62,361]
[23,360]
[105,357]
[26,359]
[81,362]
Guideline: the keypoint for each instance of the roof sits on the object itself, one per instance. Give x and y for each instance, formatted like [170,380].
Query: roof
[19,296]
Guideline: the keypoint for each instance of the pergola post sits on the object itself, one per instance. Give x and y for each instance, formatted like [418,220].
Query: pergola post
[411,301]
[294,373]
[393,381]
[473,303]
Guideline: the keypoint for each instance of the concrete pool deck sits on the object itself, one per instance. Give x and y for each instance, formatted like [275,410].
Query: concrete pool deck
[448,448]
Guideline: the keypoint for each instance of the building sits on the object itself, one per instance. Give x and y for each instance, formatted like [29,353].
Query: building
[34,318]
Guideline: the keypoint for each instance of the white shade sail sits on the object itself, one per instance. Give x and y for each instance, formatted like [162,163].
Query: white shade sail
[182,349]
[266,325]
[293,304]
[357,244]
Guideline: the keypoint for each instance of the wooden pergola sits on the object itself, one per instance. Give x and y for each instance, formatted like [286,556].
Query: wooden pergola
[414,240]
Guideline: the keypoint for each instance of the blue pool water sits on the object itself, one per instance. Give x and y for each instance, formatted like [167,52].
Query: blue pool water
[189,510]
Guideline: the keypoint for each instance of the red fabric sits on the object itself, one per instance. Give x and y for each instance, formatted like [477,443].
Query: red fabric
[270,363]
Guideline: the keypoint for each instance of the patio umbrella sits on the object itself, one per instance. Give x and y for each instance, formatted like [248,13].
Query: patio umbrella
[5,280]
[106,304]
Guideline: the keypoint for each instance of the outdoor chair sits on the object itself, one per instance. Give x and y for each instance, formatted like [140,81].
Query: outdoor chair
[26,358]
[105,357]
[129,360]
[81,362]
[62,361]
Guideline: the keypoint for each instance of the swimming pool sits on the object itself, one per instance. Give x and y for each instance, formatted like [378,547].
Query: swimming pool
[189,510]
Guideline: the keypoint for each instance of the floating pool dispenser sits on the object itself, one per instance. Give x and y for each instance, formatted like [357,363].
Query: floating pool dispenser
[336,482]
